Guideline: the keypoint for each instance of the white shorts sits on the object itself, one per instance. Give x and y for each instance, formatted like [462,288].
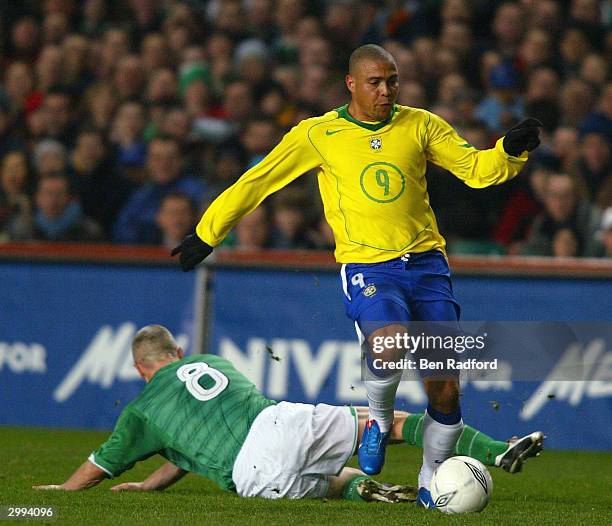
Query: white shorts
[292,449]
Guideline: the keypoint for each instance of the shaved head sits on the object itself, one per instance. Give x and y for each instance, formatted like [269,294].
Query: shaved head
[368,52]
[152,344]
[373,82]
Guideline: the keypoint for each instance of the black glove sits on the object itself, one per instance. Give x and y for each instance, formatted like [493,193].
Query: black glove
[192,250]
[524,136]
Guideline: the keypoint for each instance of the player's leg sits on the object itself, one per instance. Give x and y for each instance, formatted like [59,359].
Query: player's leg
[508,455]
[353,484]
[442,423]
[381,385]
[377,306]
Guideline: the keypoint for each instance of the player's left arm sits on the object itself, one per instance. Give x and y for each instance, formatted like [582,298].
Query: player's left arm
[480,168]
[85,477]
[160,479]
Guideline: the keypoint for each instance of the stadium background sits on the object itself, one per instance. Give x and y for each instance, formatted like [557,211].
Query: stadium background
[119,121]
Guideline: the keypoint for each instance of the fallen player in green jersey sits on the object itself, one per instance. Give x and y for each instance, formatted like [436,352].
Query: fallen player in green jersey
[205,417]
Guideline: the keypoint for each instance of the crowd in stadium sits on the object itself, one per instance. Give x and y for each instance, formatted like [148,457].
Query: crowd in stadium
[121,120]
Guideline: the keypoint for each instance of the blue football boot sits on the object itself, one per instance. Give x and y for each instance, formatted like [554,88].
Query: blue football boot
[424,499]
[371,452]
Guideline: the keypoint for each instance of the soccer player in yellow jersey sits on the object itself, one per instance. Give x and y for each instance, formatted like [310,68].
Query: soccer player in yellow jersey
[371,157]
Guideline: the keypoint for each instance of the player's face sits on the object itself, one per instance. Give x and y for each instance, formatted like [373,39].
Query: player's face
[374,86]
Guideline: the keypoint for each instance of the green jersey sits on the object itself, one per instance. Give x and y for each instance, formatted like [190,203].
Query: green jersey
[196,412]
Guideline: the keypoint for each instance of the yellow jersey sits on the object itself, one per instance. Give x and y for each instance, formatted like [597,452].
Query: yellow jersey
[371,177]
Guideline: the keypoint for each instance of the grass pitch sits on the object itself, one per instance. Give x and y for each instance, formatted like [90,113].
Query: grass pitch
[557,488]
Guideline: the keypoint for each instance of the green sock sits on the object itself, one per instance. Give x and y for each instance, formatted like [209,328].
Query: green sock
[471,443]
[350,490]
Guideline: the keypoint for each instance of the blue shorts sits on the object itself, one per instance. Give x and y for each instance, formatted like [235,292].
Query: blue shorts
[413,287]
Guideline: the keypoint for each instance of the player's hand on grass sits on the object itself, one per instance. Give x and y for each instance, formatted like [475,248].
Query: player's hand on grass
[129,486]
[525,136]
[192,251]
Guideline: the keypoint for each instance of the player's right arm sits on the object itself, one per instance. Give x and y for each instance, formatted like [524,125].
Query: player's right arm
[160,479]
[293,156]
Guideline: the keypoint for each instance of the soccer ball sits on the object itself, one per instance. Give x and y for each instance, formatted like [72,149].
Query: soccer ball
[461,485]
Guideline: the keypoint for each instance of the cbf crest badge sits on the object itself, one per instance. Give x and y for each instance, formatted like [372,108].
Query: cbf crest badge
[376,143]
[370,290]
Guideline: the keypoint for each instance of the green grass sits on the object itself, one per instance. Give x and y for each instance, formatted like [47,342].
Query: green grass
[557,488]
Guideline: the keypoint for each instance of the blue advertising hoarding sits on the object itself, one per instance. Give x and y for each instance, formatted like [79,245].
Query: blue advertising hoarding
[288,332]
[65,335]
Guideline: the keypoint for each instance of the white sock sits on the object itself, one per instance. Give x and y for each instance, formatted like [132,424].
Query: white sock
[439,441]
[381,400]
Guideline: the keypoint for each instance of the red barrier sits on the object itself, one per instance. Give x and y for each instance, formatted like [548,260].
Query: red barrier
[298,259]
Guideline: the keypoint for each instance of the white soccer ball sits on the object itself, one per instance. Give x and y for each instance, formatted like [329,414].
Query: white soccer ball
[461,485]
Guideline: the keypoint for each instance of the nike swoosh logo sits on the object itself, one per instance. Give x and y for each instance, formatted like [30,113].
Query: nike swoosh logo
[332,132]
[438,461]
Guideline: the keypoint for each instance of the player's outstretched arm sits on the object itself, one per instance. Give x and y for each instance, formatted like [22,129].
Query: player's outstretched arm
[85,477]
[293,156]
[159,480]
[481,168]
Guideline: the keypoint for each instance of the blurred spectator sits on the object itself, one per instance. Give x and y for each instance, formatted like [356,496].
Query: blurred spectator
[136,221]
[153,52]
[100,105]
[8,140]
[322,236]
[600,120]
[604,236]
[55,28]
[58,117]
[101,189]
[289,217]
[228,164]
[253,230]
[413,94]
[503,107]
[113,47]
[48,68]
[175,219]
[129,77]
[25,39]
[508,26]
[18,84]
[564,209]
[259,137]
[94,17]
[162,86]
[49,158]
[542,96]
[565,146]
[546,15]
[574,47]
[15,206]
[565,243]
[594,164]
[126,134]
[59,216]
[536,49]
[577,99]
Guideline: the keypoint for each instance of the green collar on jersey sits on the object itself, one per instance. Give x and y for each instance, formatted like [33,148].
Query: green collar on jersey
[343,113]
